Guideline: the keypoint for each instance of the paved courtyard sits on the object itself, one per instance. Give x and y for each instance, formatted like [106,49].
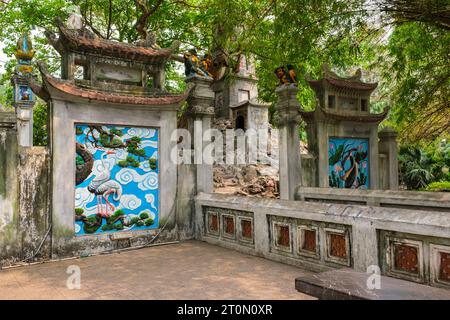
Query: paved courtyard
[189,270]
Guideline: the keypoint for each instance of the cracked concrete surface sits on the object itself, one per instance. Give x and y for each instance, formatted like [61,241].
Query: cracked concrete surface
[189,270]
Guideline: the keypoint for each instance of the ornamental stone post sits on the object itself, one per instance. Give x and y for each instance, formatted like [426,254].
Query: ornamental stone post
[388,146]
[288,118]
[24,99]
[200,113]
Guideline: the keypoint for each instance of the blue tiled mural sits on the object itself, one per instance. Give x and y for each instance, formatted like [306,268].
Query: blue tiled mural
[348,163]
[116,179]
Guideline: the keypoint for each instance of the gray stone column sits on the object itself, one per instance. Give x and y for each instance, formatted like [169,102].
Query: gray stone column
[288,117]
[24,114]
[200,113]
[388,146]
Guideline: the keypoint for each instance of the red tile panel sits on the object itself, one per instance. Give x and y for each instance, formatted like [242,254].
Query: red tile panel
[309,240]
[406,258]
[444,266]
[338,247]
[246,227]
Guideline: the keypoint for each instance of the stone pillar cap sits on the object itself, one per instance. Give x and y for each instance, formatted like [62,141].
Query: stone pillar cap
[201,97]
[7,119]
[387,132]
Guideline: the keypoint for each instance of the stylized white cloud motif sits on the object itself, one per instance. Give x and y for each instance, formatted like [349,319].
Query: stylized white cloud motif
[148,181]
[82,197]
[129,201]
[120,154]
[150,198]
[149,143]
[144,133]
[145,166]
[92,210]
[126,175]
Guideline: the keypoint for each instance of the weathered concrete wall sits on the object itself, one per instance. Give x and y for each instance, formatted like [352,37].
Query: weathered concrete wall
[65,114]
[186,191]
[24,205]
[9,207]
[321,236]
[309,170]
[34,201]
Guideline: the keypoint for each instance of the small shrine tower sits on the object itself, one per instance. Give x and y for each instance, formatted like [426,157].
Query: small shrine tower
[236,98]
[343,133]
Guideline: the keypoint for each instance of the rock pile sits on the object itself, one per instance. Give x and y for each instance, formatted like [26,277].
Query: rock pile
[252,180]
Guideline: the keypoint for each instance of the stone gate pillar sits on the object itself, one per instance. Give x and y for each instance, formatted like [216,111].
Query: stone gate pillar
[388,146]
[200,113]
[288,109]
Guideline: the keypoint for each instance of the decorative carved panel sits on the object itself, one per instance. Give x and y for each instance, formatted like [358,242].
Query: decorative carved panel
[213,222]
[338,247]
[440,265]
[406,258]
[281,236]
[444,266]
[309,242]
[228,225]
[246,226]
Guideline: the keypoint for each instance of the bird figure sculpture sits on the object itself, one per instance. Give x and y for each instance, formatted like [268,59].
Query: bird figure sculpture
[102,186]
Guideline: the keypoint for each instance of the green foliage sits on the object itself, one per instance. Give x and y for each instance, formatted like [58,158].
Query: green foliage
[135,164]
[143,215]
[78,130]
[130,161]
[79,211]
[116,132]
[40,119]
[153,163]
[415,71]
[119,226]
[107,227]
[140,223]
[79,160]
[116,142]
[92,224]
[123,163]
[442,186]
[149,222]
[134,220]
[421,166]
[409,54]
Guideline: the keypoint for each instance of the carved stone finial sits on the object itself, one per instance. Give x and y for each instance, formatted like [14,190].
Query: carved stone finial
[24,48]
[74,22]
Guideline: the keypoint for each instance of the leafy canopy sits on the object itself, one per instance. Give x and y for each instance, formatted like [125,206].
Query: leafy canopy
[402,44]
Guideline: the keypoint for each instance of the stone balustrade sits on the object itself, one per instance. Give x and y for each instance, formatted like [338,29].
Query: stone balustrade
[414,200]
[407,244]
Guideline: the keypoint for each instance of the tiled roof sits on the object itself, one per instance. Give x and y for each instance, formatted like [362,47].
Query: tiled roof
[68,87]
[79,42]
[348,116]
[345,84]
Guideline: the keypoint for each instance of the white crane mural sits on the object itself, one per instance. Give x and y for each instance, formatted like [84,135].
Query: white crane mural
[116,179]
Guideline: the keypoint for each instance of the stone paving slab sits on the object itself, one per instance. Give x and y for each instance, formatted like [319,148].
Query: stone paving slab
[189,270]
